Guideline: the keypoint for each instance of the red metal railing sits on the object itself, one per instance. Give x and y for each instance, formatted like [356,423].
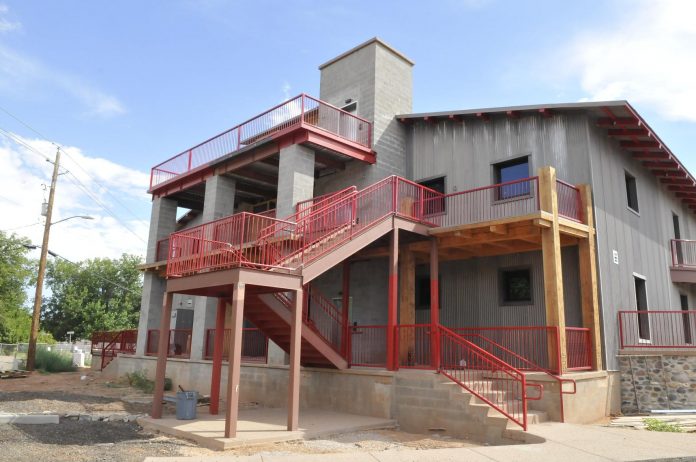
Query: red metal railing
[368,346]
[121,342]
[255,241]
[325,318]
[254,345]
[179,343]
[305,207]
[683,253]
[224,243]
[657,329]
[579,348]
[529,345]
[413,346]
[486,376]
[300,111]
[102,338]
[569,201]
[494,202]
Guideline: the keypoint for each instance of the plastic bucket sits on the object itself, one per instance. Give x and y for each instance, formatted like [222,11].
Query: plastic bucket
[186,402]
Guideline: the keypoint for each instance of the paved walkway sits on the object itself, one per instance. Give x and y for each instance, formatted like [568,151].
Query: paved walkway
[564,442]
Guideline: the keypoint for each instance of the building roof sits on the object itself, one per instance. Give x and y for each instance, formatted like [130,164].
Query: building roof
[621,122]
[363,45]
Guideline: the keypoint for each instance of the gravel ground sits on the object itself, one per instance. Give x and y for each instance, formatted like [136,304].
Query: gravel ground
[86,392]
[84,441]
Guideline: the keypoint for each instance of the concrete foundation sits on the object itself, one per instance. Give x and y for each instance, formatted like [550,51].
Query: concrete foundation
[418,400]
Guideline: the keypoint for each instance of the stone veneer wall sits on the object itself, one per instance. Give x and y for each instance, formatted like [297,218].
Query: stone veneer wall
[665,381]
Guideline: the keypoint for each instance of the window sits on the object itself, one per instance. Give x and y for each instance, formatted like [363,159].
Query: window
[516,286]
[631,192]
[434,205]
[642,307]
[423,293]
[686,319]
[512,170]
[351,106]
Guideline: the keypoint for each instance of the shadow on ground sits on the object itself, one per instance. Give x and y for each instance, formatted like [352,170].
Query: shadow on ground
[70,432]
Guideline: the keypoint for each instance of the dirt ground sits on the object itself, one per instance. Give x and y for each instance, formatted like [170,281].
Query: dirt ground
[87,393]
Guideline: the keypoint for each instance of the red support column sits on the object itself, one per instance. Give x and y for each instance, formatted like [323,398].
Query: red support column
[434,305]
[345,311]
[392,303]
[218,347]
[234,360]
[295,353]
[162,350]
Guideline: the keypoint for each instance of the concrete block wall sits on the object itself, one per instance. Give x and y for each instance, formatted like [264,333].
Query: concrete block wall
[380,79]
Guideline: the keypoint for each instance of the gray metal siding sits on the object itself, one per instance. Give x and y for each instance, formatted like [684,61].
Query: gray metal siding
[642,241]
[464,152]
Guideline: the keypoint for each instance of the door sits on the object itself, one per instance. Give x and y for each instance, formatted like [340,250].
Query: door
[686,319]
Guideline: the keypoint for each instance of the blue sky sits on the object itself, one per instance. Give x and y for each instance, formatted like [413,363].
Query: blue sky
[132,82]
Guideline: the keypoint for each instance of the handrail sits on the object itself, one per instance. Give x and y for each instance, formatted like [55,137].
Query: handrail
[535,367]
[683,253]
[466,373]
[300,111]
[569,201]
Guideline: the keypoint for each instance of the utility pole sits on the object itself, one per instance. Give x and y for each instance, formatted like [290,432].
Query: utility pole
[33,335]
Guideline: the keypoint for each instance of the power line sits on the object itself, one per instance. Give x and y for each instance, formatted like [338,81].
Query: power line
[55,255]
[75,181]
[20,227]
[59,146]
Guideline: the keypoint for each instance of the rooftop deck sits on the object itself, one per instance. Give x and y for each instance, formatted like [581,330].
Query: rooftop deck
[335,133]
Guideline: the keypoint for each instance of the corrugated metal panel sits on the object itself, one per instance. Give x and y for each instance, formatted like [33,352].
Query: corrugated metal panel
[464,151]
[642,241]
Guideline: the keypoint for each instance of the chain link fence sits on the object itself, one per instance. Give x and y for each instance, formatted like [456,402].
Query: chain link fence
[13,356]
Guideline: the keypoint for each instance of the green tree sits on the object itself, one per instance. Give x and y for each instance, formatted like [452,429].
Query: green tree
[96,294]
[16,271]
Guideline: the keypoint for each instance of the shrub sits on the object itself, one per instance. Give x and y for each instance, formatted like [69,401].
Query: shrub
[139,380]
[53,361]
[656,425]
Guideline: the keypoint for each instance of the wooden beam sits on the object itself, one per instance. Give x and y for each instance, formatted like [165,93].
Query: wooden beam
[553,272]
[498,229]
[646,155]
[629,132]
[542,223]
[407,304]
[588,279]
[392,298]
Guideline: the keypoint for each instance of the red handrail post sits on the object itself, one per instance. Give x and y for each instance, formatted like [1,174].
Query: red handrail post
[621,332]
[190,159]
[302,108]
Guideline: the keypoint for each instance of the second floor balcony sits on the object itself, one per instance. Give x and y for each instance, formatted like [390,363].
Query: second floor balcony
[683,267]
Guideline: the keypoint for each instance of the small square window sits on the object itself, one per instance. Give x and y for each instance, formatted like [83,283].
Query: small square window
[631,192]
[509,171]
[516,286]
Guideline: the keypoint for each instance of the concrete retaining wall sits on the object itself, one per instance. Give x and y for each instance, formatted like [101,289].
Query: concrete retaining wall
[373,392]
[658,381]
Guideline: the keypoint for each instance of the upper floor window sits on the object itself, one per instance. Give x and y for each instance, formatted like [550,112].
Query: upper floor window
[631,192]
[511,171]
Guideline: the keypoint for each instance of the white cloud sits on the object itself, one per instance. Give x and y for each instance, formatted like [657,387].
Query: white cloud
[21,174]
[647,57]
[7,25]
[286,90]
[21,74]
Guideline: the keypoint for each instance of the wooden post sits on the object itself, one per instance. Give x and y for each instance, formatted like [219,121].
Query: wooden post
[392,299]
[162,350]
[218,347]
[407,304]
[234,360]
[588,278]
[345,311]
[295,354]
[553,273]
[434,305]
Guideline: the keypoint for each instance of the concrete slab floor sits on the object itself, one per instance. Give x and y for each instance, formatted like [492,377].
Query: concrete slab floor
[262,425]
[568,442]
